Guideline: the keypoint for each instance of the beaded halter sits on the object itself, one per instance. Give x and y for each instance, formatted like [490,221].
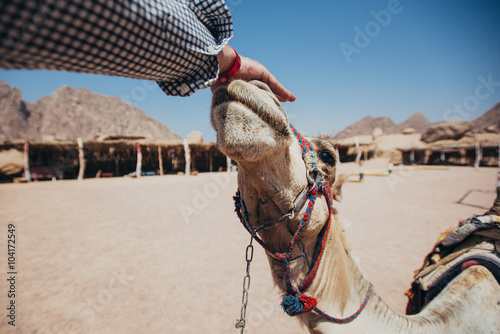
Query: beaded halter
[296,301]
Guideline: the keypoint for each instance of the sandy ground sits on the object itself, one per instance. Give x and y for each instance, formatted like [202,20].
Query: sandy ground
[165,254]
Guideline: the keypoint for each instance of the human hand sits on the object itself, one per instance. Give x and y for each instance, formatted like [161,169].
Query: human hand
[251,70]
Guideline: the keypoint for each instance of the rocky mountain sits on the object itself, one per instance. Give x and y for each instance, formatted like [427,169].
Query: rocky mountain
[416,121]
[366,125]
[453,130]
[489,121]
[14,113]
[70,113]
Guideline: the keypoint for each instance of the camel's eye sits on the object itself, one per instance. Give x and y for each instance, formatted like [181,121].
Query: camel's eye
[327,158]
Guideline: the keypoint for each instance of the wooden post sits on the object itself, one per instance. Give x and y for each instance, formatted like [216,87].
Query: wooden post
[478,157]
[160,160]
[358,151]
[81,159]
[117,165]
[138,168]
[26,156]
[187,156]
[427,156]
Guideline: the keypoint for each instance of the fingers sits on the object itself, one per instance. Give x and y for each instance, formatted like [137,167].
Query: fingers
[253,70]
[283,94]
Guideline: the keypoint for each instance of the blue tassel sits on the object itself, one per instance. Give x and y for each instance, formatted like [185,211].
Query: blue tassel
[292,305]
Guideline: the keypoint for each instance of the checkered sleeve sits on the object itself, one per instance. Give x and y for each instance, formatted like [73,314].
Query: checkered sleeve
[173,42]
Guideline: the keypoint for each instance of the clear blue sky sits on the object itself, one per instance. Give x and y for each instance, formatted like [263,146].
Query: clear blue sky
[343,60]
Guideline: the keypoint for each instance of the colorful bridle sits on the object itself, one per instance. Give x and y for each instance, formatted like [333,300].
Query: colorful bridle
[296,301]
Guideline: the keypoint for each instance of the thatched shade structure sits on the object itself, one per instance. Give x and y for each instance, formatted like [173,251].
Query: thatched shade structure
[409,149]
[348,151]
[462,152]
[114,156]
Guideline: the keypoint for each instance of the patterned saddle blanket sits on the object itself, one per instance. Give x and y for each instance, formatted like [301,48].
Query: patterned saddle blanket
[476,241]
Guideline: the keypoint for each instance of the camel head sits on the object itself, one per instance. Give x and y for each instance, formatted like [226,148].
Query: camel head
[253,130]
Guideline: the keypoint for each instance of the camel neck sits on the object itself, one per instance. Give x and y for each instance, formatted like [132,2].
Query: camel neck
[340,288]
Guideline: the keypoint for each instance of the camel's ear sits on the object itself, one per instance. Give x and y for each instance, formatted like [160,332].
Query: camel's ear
[337,187]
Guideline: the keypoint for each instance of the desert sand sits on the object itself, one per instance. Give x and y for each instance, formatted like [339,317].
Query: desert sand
[165,254]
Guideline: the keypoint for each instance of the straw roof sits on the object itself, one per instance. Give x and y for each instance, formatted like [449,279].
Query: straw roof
[408,142]
[100,143]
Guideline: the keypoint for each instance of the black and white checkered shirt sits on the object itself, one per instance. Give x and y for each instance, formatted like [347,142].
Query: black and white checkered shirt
[173,42]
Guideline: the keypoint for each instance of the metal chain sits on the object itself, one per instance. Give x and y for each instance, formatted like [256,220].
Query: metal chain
[241,323]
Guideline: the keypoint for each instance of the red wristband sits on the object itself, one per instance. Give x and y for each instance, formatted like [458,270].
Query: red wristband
[224,78]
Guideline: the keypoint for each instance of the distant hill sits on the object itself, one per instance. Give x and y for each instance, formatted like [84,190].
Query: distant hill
[366,125]
[489,121]
[14,113]
[416,121]
[70,113]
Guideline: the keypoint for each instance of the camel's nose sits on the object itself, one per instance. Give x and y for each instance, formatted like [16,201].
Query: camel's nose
[261,85]
[239,89]
[248,120]
[256,97]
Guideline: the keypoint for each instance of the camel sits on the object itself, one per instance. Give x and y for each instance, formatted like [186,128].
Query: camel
[273,174]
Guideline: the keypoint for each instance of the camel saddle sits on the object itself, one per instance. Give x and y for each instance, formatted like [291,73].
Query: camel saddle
[476,241]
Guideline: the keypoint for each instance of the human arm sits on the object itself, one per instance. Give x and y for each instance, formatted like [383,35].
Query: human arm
[174,43]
